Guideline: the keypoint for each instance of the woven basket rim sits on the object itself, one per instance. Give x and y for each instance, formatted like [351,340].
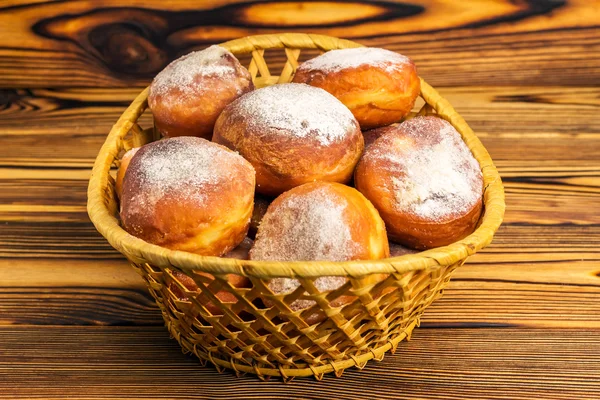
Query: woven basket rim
[138,250]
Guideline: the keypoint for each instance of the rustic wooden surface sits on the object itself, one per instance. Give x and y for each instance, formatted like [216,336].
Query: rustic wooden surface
[521,320]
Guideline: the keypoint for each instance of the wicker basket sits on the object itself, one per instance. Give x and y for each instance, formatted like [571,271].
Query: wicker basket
[246,336]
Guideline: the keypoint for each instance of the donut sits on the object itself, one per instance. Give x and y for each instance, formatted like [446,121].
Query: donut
[379,86]
[424,181]
[122,168]
[189,94]
[188,194]
[319,221]
[292,134]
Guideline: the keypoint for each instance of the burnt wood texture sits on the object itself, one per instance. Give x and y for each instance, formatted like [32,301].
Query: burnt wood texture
[520,320]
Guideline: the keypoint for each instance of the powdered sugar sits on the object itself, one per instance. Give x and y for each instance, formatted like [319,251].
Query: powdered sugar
[302,227]
[435,177]
[336,60]
[294,110]
[182,73]
[183,167]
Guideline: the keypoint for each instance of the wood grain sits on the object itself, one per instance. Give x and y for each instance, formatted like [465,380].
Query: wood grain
[440,363]
[498,288]
[56,136]
[520,320]
[105,43]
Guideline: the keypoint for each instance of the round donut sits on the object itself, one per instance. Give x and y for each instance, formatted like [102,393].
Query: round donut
[424,181]
[188,194]
[319,221]
[379,86]
[189,94]
[122,168]
[292,134]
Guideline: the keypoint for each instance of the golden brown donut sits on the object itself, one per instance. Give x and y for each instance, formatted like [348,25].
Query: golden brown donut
[292,134]
[319,221]
[424,181]
[189,94]
[379,86]
[122,168]
[188,194]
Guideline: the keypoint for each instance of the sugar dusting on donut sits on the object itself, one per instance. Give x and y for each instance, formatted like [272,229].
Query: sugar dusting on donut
[297,110]
[184,167]
[435,179]
[336,60]
[303,227]
[182,73]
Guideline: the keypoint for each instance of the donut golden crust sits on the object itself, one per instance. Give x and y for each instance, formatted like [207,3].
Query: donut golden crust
[188,194]
[292,134]
[122,168]
[319,221]
[379,86]
[424,181]
[189,94]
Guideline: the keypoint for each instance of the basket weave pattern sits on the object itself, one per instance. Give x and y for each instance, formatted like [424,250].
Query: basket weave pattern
[247,336]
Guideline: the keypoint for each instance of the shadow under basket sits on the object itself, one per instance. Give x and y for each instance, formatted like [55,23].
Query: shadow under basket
[245,335]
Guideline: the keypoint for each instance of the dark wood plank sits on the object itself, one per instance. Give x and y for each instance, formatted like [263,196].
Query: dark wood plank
[111,43]
[74,292]
[127,363]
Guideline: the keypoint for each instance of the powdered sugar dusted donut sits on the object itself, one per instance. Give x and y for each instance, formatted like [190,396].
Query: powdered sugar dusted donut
[189,94]
[379,86]
[292,134]
[188,194]
[319,221]
[424,181]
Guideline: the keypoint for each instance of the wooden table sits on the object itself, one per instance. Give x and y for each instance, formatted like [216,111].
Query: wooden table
[519,320]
